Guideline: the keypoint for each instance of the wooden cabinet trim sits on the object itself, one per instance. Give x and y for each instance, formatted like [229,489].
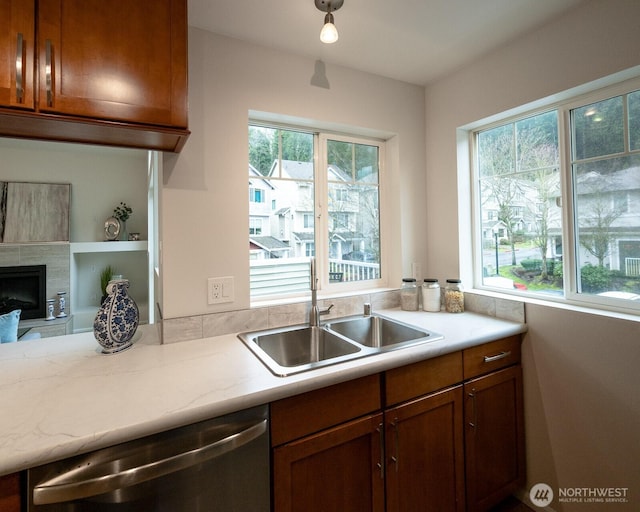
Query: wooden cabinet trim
[304,414]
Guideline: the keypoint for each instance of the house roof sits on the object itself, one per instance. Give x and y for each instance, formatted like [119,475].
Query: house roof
[595,182]
[304,171]
[269,243]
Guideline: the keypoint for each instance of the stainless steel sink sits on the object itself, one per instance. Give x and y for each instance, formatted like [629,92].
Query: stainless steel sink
[380,332]
[292,350]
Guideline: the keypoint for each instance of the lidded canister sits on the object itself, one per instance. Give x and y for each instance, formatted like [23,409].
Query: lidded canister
[454,296]
[430,295]
[409,298]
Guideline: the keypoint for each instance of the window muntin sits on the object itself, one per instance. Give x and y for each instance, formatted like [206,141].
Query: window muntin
[519,171]
[333,216]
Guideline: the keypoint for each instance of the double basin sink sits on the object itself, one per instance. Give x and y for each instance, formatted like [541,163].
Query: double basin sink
[290,350]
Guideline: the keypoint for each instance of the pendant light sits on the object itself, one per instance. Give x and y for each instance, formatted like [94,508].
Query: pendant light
[329,32]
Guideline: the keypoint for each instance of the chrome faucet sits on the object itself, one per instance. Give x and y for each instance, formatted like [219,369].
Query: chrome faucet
[316,312]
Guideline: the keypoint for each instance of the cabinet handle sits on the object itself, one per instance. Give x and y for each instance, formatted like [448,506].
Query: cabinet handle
[380,464]
[19,69]
[396,442]
[497,357]
[48,72]
[474,409]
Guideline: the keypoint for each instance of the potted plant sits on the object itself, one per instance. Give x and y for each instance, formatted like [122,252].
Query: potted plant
[122,212]
[105,276]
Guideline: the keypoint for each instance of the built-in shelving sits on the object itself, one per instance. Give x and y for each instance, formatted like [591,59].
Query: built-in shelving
[95,247]
[129,258]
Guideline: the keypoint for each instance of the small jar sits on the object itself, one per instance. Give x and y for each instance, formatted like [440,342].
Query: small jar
[454,296]
[409,297]
[430,295]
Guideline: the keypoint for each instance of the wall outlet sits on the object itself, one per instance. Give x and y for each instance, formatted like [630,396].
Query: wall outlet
[220,290]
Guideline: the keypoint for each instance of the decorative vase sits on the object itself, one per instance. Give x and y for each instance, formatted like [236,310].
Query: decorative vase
[50,309]
[124,236]
[117,319]
[62,305]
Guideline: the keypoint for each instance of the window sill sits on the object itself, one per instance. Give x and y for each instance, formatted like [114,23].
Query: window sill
[560,303]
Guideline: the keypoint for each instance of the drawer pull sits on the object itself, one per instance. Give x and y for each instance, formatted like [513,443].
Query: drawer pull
[19,69]
[497,357]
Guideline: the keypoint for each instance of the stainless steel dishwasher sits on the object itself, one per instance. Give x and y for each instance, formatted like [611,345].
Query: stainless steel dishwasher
[212,466]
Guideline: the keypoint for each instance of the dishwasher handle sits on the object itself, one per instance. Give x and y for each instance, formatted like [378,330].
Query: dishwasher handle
[62,488]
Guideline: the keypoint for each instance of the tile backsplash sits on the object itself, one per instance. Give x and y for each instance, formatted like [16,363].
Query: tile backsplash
[217,324]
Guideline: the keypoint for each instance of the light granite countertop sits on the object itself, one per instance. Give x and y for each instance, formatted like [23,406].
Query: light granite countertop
[60,396]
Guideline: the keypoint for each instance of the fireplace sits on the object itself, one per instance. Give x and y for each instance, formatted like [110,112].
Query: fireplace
[24,287]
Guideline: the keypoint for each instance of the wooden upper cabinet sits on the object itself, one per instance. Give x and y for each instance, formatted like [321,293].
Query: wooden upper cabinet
[110,72]
[17,47]
[121,60]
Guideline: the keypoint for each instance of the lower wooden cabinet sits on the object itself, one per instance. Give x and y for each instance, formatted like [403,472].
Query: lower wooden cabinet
[337,469]
[441,435]
[10,493]
[494,437]
[425,454]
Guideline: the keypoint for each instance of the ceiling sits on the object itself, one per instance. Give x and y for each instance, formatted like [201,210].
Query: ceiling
[416,41]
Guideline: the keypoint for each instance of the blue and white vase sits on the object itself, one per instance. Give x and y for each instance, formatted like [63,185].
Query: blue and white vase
[117,319]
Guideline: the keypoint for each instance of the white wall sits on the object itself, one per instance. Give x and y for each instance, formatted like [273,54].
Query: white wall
[205,198]
[581,383]
[100,178]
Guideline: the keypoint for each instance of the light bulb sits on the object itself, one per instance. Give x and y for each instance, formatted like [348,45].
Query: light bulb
[329,33]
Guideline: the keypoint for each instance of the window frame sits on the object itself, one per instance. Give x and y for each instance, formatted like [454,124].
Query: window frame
[321,245]
[568,101]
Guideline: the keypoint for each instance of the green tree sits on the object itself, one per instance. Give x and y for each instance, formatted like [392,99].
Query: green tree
[260,148]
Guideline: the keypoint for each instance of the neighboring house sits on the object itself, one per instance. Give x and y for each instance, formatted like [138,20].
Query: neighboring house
[608,206]
[260,203]
[291,218]
[267,247]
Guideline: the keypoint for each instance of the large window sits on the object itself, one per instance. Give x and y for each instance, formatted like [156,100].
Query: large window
[331,214]
[558,195]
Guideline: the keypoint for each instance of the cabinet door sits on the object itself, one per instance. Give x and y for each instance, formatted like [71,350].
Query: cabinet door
[336,469]
[121,60]
[494,437]
[425,454]
[10,493]
[17,46]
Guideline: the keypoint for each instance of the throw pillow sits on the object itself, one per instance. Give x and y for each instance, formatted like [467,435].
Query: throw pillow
[9,326]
